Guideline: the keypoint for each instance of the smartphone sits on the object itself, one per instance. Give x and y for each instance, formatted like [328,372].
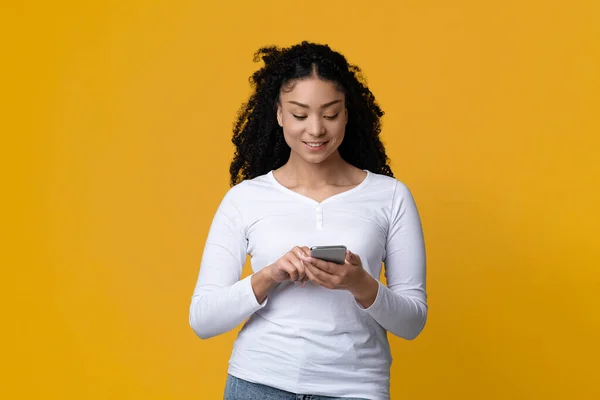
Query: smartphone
[335,254]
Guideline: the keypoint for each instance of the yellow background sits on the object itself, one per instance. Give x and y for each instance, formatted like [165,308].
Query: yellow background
[116,125]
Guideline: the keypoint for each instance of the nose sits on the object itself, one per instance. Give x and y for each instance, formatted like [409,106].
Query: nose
[316,127]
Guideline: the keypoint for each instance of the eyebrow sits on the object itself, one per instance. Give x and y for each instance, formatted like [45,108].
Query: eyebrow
[323,106]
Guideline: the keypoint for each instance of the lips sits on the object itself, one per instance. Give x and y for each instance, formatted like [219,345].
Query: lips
[315,146]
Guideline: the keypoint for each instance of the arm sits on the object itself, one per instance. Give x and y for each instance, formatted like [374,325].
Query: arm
[221,301]
[401,306]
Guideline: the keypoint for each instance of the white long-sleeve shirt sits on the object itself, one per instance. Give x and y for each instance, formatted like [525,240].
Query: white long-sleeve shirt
[311,339]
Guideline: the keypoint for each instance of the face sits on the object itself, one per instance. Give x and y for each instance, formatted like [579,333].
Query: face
[313,115]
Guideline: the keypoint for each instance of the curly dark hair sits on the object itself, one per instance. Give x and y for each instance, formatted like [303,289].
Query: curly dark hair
[258,139]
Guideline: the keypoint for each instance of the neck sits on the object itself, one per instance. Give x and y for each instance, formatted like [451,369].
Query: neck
[308,174]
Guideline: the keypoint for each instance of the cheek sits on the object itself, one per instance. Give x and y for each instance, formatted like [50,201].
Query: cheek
[337,130]
[292,129]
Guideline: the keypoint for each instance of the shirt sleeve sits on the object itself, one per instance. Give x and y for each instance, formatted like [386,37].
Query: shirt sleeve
[401,306]
[221,301]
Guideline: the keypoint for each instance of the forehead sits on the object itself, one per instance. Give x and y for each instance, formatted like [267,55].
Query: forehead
[312,90]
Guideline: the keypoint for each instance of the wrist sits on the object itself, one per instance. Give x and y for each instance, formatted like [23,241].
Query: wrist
[365,290]
[262,283]
[267,276]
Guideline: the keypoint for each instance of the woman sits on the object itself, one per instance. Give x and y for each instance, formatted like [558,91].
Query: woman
[310,169]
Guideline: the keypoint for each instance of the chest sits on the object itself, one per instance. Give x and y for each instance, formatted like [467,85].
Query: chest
[361,227]
[320,195]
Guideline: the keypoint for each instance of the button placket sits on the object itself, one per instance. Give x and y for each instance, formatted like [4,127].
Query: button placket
[319,216]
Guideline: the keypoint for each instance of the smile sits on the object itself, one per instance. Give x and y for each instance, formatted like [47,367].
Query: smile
[315,145]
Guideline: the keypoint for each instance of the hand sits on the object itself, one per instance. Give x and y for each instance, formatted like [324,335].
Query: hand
[350,276]
[289,267]
[330,275]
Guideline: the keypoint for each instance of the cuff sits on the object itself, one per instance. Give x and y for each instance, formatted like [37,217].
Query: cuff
[249,295]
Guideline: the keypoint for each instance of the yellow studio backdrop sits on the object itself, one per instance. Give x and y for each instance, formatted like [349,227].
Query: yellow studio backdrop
[116,126]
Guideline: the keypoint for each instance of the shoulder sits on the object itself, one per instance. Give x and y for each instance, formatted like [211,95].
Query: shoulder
[387,183]
[390,189]
[247,189]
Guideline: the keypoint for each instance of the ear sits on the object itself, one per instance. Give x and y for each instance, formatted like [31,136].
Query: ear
[279,114]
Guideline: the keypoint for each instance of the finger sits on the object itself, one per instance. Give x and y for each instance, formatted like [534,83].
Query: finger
[304,280]
[348,258]
[297,256]
[352,258]
[297,263]
[323,278]
[301,268]
[305,251]
[296,260]
[329,267]
[291,270]
[311,275]
[301,252]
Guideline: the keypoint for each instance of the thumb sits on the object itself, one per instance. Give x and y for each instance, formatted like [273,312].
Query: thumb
[351,257]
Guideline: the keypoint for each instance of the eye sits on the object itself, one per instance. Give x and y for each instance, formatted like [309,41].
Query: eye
[300,117]
[332,117]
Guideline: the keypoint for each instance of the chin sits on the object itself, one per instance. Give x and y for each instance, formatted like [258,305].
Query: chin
[315,158]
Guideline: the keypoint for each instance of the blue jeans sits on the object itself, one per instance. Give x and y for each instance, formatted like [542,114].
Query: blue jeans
[239,389]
